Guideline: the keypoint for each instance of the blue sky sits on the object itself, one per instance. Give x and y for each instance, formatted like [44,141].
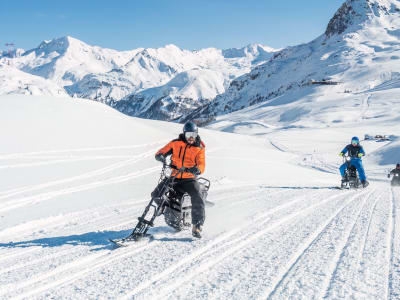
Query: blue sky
[125,25]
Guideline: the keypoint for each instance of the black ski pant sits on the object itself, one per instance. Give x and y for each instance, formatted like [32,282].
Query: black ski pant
[192,187]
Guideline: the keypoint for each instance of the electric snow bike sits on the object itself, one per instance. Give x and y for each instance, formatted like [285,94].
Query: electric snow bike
[175,205]
[395,180]
[351,179]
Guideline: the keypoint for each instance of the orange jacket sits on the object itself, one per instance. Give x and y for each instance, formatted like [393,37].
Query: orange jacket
[185,155]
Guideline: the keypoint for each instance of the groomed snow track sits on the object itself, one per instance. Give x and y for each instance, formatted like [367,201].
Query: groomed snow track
[310,243]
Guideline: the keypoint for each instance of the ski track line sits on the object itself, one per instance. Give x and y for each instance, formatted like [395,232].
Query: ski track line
[99,227]
[77,275]
[105,262]
[29,154]
[67,219]
[96,227]
[125,252]
[240,194]
[204,249]
[271,251]
[47,257]
[97,172]
[51,162]
[344,244]
[268,293]
[132,207]
[369,226]
[34,261]
[161,270]
[101,171]
[393,282]
[237,186]
[243,243]
[19,253]
[101,183]
[238,244]
[70,156]
[235,245]
[88,263]
[355,265]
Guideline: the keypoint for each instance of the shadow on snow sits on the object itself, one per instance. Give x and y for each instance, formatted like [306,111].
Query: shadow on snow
[99,240]
[301,187]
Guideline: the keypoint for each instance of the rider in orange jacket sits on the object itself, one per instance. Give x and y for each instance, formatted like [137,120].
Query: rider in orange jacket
[187,152]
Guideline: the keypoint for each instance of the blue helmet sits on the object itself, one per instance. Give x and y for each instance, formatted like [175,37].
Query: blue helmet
[355,140]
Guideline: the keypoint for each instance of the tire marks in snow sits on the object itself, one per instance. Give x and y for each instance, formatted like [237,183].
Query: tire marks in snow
[215,252]
[103,261]
[98,172]
[305,271]
[100,183]
[393,281]
[32,154]
[81,262]
[70,271]
[360,270]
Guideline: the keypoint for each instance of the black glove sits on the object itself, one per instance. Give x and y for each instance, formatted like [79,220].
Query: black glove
[194,171]
[160,158]
[388,175]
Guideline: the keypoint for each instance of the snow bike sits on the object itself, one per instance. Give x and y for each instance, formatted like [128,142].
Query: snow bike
[351,180]
[395,180]
[174,204]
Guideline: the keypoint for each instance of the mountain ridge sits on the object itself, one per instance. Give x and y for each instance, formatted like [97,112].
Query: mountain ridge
[362,55]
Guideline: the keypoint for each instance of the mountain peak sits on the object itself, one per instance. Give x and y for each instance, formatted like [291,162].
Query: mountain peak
[59,45]
[356,12]
[250,49]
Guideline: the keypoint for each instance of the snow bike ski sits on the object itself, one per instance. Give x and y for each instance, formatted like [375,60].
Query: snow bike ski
[351,179]
[175,205]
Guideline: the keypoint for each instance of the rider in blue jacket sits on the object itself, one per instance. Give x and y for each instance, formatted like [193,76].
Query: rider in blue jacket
[355,151]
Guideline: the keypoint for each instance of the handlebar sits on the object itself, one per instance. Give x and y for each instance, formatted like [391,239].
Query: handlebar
[181,170]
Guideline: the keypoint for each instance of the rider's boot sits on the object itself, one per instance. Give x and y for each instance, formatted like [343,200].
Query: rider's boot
[196,231]
[343,182]
[364,183]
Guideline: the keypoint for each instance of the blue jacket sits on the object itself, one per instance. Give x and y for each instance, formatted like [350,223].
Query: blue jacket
[353,150]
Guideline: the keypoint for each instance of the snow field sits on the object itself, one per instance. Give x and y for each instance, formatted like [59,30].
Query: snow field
[279,228]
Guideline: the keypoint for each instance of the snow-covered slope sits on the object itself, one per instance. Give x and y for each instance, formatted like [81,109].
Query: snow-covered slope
[278,230]
[14,81]
[359,51]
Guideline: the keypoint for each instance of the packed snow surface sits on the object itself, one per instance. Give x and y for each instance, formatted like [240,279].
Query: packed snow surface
[75,173]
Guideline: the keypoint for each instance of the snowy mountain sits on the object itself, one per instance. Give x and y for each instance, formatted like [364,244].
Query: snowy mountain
[167,82]
[180,96]
[142,78]
[359,51]
[66,60]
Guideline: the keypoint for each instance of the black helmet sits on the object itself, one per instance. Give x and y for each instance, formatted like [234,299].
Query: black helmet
[190,127]
[398,166]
